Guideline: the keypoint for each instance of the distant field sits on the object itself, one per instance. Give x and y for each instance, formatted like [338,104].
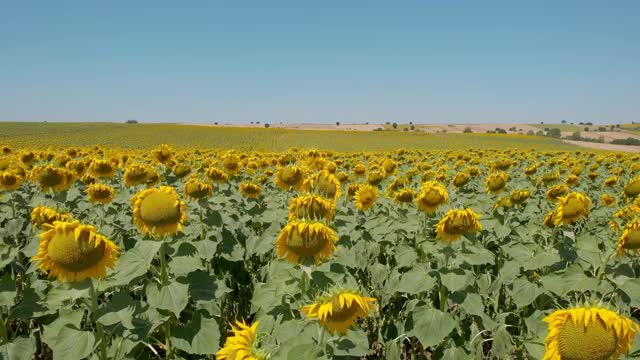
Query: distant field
[631,127]
[145,136]
[562,127]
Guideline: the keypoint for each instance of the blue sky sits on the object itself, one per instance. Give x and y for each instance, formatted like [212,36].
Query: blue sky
[301,61]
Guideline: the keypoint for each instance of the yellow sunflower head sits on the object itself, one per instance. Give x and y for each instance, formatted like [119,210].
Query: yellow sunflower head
[457,222]
[461,179]
[572,179]
[611,181]
[52,178]
[504,202]
[323,183]
[496,181]
[311,207]
[10,181]
[571,208]
[632,189]
[630,238]
[73,252]
[289,177]
[366,197]
[162,153]
[548,220]
[432,195]
[352,189]
[250,190]
[343,177]
[520,196]
[217,175]
[340,310]
[88,179]
[196,189]
[42,215]
[404,196]
[135,174]
[375,177]
[608,200]
[181,170]
[359,170]
[104,169]
[301,240]
[556,191]
[593,333]
[99,193]
[242,344]
[158,211]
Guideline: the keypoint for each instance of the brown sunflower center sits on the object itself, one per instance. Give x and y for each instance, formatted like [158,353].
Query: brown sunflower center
[591,342]
[101,193]
[159,208]
[103,169]
[50,177]
[73,254]
[8,180]
[342,313]
[305,245]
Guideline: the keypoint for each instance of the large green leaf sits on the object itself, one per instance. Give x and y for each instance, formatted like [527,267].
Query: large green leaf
[431,326]
[199,336]
[172,297]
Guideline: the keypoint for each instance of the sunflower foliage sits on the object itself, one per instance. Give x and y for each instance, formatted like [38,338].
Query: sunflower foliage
[198,253]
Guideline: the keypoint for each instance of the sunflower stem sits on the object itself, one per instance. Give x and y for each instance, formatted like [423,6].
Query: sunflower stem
[603,267]
[13,205]
[167,339]
[163,267]
[99,326]
[3,329]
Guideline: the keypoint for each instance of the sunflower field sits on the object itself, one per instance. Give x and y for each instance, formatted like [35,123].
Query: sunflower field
[200,253]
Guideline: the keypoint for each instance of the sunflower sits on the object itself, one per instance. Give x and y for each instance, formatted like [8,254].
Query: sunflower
[153,178]
[250,190]
[158,211]
[243,344]
[231,164]
[375,177]
[43,215]
[556,191]
[98,193]
[359,170]
[135,174]
[339,311]
[496,181]
[73,252]
[432,195]
[52,178]
[520,196]
[10,181]
[611,181]
[608,200]
[162,154]
[366,197]
[461,179]
[289,177]
[311,207]
[404,196]
[548,219]
[88,179]
[181,170]
[456,222]
[196,189]
[630,238]
[352,189]
[217,175]
[571,208]
[323,183]
[632,189]
[572,180]
[589,333]
[300,240]
[104,169]
[78,167]
[503,202]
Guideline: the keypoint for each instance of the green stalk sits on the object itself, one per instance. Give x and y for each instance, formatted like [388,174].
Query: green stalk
[164,278]
[443,289]
[3,330]
[13,205]
[603,267]
[99,326]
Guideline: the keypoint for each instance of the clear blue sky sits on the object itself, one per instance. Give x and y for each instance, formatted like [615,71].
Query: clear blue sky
[304,61]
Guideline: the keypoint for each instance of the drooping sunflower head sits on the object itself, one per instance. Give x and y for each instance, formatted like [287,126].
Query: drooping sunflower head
[343,177]
[158,211]
[162,153]
[231,164]
[311,207]
[9,181]
[153,177]
[572,180]
[611,181]
[339,310]
[571,208]
[632,189]
[548,220]
[396,184]
[461,179]
[593,333]
[323,183]
[630,238]
[404,196]
[250,190]
[242,344]
[432,195]
[504,202]
[457,222]
[42,215]
[196,189]
[181,170]
[217,175]
[496,181]
[73,252]
[359,170]
[289,177]
[608,200]
[375,177]
[99,193]
[366,196]
[550,177]
[135,174]
[556,191]
[302,240]
[103,169]
[52,178]
[520,196]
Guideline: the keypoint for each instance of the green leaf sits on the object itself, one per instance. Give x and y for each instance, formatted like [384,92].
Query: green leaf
[183,265]
[502,344]
[119,311]
[355,343]
[632,289]
[414,281]
[173,297]
[524,292]
[69,343]
[132,264]
[7,290]
[405,256]
[199,336]
[21,348]
[431,326]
